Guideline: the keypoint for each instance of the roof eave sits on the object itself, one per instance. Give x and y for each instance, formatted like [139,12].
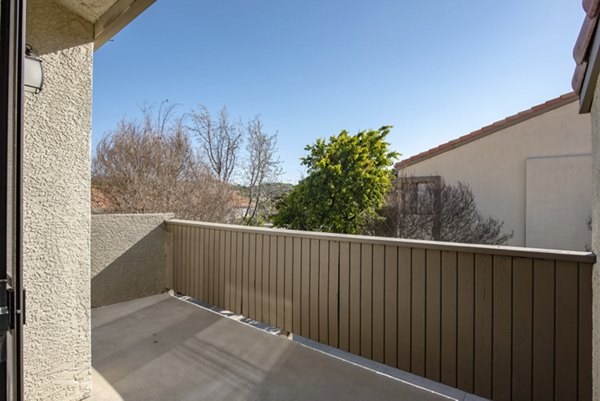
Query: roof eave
[117,17]
[588,87]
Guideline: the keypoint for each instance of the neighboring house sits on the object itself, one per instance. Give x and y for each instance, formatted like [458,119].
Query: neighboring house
[532,170]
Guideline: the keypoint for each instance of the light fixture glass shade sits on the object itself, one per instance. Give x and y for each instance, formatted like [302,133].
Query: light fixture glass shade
[34,74]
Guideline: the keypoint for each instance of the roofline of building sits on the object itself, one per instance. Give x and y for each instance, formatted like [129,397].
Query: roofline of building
[586,54]
[117,17]
[490,129]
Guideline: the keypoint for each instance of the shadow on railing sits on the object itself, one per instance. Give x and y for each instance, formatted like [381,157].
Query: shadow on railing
[500,322]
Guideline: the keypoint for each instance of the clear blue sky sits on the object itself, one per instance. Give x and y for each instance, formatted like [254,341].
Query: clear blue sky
[435,70]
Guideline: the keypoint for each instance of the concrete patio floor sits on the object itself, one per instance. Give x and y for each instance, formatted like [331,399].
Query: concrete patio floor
[164,348]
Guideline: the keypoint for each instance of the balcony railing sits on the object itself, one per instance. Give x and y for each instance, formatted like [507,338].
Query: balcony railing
[501,322]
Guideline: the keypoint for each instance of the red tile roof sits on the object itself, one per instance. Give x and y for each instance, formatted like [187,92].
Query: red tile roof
[581,51]
[490,129]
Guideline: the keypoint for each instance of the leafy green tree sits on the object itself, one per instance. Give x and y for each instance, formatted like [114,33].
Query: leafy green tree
[347,182]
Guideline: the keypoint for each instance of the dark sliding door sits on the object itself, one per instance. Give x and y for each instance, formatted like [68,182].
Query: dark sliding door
[12,46]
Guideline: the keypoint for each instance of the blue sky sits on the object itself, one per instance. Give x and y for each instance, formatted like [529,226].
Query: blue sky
[435,70]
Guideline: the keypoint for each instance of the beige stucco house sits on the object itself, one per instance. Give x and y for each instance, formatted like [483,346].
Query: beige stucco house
[531,170]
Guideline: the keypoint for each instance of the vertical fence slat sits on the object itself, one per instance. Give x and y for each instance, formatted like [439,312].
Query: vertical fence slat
[212,267]
[272,281]
[184,251]
[280,278]
[378,303]
[344,342]
[404,308]
[543,329]
[259,300]
[585,332]
[222,251]
[231,271]
[238,272]
[197,264]
[182,259]
[483,325]
[355,298]
[168,230]
[433,314]
[266,271]
[314,290]
[565,364]
[419,297]
[176,258]
[194,263]
[305,288]
[217,276]
[296,286]
[466,311]
[205,265]
[252,277]
[391,305]
[522,328]
[245,288]
[227,277]
[366,300]
[448,329]
[502,336]
[323,291]
[332,308]
[289,278]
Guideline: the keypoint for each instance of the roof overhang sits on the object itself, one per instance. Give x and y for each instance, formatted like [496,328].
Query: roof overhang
[586,53]
[590,77]
[108,17]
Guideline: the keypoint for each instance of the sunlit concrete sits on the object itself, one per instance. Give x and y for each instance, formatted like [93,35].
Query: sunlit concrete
[163,348]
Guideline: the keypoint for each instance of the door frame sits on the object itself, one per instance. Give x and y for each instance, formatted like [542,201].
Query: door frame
[12,50]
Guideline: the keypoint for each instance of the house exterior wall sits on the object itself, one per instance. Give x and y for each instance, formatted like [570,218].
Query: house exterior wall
[128,257]
[56,204]
[595,115]
[557,215]
[495,167]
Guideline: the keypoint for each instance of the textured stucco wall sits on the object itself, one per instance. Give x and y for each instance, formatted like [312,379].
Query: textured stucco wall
[595,112]
[128,257]
[56,203]
[559,202]
[494,166]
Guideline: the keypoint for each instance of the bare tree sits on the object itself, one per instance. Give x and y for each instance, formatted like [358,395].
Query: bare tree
[221,139]
[151,166]
[261,167]
[430,209]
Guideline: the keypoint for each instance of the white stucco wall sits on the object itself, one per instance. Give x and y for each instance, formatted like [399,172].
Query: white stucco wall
[56,204]
[558,202]
[128,257]
[495,168]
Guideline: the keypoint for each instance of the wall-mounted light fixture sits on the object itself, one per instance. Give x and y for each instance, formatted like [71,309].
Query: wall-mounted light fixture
[34,73]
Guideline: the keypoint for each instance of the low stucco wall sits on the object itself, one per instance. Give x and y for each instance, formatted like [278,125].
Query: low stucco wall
[127,257]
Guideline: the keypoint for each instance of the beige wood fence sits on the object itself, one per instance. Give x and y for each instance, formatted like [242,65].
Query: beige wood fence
[503,323]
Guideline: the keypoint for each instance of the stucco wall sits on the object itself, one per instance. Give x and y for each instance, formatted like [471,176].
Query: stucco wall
[56,204]
[558,202]
[495,166]
[128,257]
[595,113]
